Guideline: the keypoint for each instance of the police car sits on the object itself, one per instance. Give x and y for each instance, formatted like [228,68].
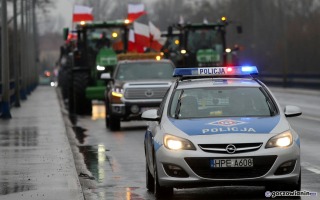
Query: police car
[220,126]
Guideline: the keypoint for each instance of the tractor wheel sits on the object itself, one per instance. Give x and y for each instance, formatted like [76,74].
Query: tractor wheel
[82,105]
[63,83]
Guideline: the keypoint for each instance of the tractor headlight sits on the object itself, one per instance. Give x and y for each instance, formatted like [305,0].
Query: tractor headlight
[100,68]
[176,143]
[282,140]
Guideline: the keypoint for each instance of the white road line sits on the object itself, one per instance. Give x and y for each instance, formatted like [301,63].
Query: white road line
[310,167]
[309,117]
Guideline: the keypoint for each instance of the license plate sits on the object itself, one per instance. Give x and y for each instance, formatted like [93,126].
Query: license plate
[231,162]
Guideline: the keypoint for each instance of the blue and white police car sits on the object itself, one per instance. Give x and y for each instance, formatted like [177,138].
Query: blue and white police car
[220,126]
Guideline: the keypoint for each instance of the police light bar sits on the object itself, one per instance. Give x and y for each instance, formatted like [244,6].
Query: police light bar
[215,71]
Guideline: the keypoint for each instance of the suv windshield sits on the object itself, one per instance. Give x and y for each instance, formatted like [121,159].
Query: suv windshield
[144,70]
[221,102]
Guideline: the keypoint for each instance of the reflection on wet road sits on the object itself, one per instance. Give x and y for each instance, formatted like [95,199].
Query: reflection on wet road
[15,147]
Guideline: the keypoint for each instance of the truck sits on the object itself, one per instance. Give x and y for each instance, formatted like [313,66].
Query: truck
[199,44]
[96,50]
[139,83]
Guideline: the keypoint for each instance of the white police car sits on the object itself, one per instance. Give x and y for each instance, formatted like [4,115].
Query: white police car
[220,126]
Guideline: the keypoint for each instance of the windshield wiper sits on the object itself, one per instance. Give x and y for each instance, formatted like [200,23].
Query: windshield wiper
[177,111]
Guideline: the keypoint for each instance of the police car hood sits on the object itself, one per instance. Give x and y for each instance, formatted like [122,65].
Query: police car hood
[228,126]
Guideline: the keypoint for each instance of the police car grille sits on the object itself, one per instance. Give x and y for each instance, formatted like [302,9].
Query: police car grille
[201,166]
[221,148]
[145,93]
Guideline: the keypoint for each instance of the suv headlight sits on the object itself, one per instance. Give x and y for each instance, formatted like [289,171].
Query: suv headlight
[176,143]
[117,92]
[282,140]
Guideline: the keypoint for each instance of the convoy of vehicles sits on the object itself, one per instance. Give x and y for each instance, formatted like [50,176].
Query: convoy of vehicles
[209,125]
[220,126]
[199,44]
[136,85]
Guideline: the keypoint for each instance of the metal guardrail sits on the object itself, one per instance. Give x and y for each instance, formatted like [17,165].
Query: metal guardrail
[292,80]
[12,93]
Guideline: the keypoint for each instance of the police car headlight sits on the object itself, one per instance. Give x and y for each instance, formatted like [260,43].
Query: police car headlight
[282,140]
[176,143]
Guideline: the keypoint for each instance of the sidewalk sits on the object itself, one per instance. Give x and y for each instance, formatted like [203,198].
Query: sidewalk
[36,161]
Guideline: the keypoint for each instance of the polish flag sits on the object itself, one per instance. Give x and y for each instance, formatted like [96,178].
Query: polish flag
[156,40]
[82,13]
[132,46]
[141,34]
[135,11]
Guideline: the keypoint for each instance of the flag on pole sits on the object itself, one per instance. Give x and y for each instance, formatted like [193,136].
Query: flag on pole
[82,13]
[135,11]
[132,46]
[141,34]
[156,40]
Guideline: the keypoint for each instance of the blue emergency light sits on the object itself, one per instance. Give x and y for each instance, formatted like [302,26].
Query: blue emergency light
[216,71]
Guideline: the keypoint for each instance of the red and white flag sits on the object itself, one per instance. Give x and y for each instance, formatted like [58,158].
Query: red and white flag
[141,34]
[132,46]
[82,13]
[135,11]
[156,40]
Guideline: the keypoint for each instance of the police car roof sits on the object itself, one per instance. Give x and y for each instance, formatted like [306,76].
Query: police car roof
[218,82]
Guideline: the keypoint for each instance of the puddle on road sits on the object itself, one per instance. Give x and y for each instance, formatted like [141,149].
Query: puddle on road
[12,181]
[95,160]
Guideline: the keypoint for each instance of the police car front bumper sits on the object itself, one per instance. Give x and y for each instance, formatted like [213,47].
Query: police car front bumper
[188,168]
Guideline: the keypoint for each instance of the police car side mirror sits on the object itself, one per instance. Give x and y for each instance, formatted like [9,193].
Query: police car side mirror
[292,111]
[150,115]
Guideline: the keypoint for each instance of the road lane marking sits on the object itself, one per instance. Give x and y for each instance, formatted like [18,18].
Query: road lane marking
[309,117]
[310,167]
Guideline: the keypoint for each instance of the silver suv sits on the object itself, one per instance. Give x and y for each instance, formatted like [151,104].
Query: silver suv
[136,86]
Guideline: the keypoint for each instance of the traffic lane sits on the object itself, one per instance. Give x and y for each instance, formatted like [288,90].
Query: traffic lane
[308,101]
[117,162]
[310,151]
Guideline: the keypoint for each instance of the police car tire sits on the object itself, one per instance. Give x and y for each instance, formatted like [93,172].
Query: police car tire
[160,191]
[114,123]
[149,179]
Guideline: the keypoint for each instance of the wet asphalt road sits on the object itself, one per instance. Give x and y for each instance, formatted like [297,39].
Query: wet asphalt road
[116,159]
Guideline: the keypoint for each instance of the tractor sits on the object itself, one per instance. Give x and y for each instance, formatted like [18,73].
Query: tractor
[199,44]
[96,50]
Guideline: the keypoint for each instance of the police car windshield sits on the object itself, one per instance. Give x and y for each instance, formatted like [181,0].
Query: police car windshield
[144,70]
[221,102]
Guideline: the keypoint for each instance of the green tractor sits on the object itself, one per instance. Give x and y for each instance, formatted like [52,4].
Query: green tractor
[202,44]
[98,45]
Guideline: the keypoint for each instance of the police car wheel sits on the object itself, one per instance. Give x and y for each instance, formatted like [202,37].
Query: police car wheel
[160,191]
[149,179]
